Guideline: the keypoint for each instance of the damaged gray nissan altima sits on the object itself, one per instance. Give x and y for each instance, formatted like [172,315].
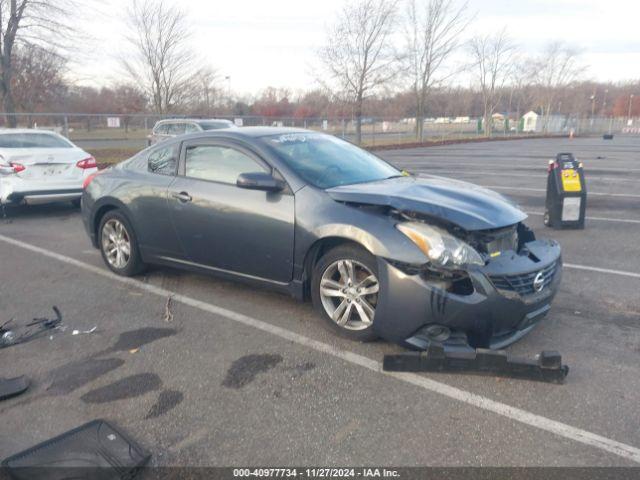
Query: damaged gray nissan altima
[381,253]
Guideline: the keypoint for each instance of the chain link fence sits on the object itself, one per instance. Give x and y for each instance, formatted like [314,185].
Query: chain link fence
[105,131]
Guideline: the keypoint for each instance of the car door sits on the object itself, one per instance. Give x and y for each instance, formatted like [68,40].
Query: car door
[223,226]
[146,187]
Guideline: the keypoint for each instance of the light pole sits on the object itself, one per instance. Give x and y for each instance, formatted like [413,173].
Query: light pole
[228,79]
[630,102]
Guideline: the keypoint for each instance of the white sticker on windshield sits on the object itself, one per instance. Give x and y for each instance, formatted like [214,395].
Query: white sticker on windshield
[288,138]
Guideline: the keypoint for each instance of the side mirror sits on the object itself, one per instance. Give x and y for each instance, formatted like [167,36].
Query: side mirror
[260,181]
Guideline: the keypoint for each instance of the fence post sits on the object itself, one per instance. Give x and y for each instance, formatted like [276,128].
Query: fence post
[66,126]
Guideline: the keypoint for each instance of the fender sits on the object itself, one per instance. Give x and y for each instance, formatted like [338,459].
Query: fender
[104,204]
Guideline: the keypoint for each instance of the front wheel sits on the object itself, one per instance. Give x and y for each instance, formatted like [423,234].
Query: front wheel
[345,290]
[118,245]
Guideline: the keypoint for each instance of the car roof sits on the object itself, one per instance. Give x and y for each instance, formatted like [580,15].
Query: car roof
[246,132]
[5,131]
[196,120]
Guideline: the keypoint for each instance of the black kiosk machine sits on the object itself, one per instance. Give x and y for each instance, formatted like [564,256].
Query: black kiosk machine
[566,193]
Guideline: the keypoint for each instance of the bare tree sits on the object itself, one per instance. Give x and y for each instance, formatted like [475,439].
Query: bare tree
[37,78]
[160,60]
[29,22]
[556,68]
[492,57]
[358,56]
[205,90]
[432,31]
[127,100]
[521,86]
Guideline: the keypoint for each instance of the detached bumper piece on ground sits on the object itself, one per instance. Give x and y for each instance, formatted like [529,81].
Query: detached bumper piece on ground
[95,451]
[10,387]
[29,331]
[546,368]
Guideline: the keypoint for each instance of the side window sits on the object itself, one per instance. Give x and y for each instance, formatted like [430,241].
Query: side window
[176,128]
[218,164]
[191,128]
[161,129]
[163,160]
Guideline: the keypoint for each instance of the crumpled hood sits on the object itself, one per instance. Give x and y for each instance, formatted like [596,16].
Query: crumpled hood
[464,204]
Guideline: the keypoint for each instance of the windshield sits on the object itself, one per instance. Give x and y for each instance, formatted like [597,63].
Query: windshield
[214,125]
[326,161]
[32,140]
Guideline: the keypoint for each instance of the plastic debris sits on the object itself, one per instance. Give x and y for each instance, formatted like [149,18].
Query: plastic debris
[10,387]
[29,331]
[96,450]
[547,366]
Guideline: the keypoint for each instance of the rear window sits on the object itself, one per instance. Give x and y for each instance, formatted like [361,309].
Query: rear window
[214,125]
[32,140]
[176,128]
[161,129]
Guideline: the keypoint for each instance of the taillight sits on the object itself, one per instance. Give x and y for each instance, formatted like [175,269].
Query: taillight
[17,167]
[89,162]
[88,180]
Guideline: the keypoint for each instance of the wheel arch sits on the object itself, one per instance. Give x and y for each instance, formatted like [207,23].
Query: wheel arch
[107,205]
[315,253]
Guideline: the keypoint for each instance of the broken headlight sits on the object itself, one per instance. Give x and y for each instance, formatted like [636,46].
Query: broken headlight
[441,248]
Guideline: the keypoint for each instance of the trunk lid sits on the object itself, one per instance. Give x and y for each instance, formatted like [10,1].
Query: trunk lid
[47,164]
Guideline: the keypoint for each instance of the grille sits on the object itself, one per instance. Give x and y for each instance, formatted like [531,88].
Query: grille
[523,284]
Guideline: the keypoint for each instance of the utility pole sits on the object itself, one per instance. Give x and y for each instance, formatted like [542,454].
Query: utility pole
[604,102]
[629,116]
[228,79]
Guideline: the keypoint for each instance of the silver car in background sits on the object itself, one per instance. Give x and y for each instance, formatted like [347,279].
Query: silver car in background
[37,166]
[173,127]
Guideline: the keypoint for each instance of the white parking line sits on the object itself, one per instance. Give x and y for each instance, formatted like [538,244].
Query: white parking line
[602,270]
[585,437]
[600,219]
[512,164]
[500,187]
[526,175]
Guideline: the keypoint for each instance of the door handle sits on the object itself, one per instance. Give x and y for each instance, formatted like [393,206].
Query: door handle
[184,197]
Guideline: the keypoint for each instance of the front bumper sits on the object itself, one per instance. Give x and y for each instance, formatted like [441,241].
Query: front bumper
[500,308]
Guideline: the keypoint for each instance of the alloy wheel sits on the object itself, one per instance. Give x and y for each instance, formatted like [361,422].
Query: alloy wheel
[116,244]
[349,294]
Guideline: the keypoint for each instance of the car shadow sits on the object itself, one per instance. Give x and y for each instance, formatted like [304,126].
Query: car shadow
[60,209]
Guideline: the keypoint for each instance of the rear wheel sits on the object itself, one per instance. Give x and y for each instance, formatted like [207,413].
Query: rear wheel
[345,291]
[118,244]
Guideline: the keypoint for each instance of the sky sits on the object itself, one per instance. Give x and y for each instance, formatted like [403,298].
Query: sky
[259,43]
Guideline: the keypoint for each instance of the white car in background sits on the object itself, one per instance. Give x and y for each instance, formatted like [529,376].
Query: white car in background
[37,166]
[172,127]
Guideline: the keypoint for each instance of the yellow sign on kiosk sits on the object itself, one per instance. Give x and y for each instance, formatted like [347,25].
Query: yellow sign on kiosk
[571,180]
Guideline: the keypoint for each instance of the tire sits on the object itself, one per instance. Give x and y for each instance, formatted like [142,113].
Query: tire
[130,264]
[329,278]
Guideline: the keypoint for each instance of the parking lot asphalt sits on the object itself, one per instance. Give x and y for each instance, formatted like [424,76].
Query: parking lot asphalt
[241,376]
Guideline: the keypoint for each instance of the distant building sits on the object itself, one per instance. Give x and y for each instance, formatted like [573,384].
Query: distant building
[462,120]
[533,122]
